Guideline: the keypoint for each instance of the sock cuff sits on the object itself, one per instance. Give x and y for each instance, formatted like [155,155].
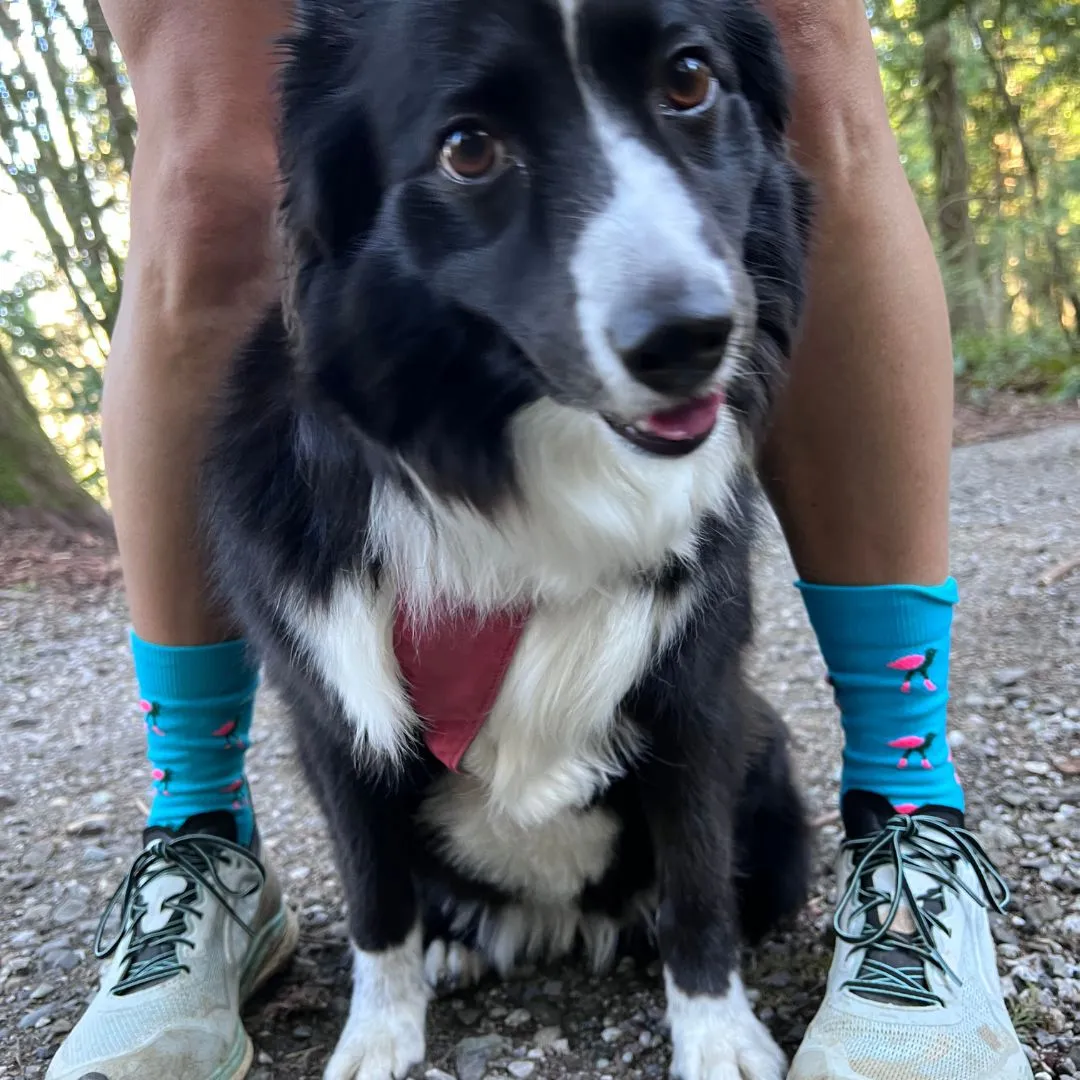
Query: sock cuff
[194,672]
[879,615]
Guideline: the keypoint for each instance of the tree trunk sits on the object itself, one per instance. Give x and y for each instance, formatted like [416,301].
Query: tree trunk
[967,300]
[33,476]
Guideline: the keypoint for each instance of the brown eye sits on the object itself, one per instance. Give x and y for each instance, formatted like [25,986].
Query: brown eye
[688,83]
[471,154]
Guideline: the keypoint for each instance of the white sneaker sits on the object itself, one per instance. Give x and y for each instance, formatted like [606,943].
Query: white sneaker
[913,993]
[201,925]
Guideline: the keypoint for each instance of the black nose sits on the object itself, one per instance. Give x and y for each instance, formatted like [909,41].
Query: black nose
[673,351]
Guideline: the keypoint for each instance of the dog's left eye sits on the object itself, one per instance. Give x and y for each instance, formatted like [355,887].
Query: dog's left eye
[470,154]
[688,84]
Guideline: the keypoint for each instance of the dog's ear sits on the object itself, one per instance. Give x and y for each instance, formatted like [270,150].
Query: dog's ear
[328,156]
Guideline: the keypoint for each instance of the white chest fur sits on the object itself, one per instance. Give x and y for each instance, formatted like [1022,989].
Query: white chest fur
[593,514]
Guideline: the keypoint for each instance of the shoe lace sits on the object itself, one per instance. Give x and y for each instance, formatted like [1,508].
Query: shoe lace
[934,849]
[150,956]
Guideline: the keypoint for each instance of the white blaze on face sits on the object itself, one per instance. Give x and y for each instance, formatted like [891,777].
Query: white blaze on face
[650,232]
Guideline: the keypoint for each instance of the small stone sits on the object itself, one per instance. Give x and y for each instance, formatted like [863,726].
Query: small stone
[21,938]
[521,1069]
[561,1046]
[17,965]
[7,800]
[1036,768]
[93,853]
[68,910]
[471,1056]
[518,1018]
[468,1016]
[611,1034]
[62,959]
[36,1017]
[438,1074]
[38,854]
[301,1031]
[1071,925]
[1009,676]
[263,1058]
[94,825]
[546,1036]
[42,990]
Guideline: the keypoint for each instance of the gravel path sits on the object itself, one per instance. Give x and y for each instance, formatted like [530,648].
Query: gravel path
[71,770]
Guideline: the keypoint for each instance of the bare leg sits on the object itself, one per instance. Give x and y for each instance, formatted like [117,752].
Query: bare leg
[858,462]
[200,267]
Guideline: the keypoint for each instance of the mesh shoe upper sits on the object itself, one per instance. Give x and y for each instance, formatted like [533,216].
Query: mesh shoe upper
[183,936]
[913,993]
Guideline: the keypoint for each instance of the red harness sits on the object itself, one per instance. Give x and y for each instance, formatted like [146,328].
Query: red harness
[453,667]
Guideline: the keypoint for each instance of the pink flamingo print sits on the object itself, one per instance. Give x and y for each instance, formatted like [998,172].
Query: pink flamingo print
[915,664]
[161,780]
[239,789]
[151,710]
[227,732]
[914,744]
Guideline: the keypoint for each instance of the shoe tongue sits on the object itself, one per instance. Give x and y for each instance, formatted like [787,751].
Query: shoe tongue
[865,813]
[220,823]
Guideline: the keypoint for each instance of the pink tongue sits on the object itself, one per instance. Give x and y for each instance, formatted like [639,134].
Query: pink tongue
[689,421]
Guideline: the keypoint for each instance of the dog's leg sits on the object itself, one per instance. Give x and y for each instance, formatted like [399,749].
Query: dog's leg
[384,1034]
[690,792]
[773,838]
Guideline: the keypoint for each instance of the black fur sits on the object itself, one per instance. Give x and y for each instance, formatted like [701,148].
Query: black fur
[420,319]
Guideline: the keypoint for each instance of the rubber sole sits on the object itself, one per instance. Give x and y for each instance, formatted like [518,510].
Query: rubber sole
[271,950]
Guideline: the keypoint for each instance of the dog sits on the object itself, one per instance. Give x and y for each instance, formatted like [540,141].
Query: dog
[482,493]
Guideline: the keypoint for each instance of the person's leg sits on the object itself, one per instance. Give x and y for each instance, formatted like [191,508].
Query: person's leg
[199,270]
[858,469]
[202,921]
[858,460]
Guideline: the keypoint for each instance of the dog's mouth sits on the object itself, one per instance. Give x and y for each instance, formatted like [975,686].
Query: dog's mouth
[673,432]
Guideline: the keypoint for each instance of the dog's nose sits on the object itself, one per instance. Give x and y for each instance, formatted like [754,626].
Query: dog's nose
[673,348]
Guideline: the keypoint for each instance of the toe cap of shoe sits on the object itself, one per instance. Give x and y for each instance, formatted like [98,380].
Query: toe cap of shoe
[185,1052]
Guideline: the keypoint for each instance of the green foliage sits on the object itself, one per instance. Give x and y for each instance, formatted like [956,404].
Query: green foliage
[66,146]
[67,132]
[1018,69]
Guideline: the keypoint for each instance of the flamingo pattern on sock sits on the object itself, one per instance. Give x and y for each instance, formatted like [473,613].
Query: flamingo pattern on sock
[915,665]
[196,706]
[887,649]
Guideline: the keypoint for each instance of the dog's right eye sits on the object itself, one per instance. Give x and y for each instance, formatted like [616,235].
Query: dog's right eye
[470,154]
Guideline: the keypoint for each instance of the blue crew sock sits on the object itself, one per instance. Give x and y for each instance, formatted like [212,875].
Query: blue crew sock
[197,701]
[887,651]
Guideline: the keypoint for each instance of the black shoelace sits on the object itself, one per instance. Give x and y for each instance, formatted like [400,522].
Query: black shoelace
[152,956]
[895,964]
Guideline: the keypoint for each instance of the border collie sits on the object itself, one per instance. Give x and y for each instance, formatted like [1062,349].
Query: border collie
[482,493]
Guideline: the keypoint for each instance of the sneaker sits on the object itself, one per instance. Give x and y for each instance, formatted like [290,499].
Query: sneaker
[199,924]
[914,992]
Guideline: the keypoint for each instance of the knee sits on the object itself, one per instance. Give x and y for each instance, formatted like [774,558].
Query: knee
[203,237]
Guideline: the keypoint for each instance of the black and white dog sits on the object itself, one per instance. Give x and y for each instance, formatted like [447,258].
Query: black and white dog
[482,493]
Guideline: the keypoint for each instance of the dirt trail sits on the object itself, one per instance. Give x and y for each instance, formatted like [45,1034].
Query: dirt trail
[71,769]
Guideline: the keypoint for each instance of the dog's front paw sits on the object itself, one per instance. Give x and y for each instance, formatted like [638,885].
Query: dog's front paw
[377,1049]
[384,1035]
[719,1038]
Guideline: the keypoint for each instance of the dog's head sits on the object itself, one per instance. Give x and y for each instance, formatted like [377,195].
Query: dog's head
[493,201]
